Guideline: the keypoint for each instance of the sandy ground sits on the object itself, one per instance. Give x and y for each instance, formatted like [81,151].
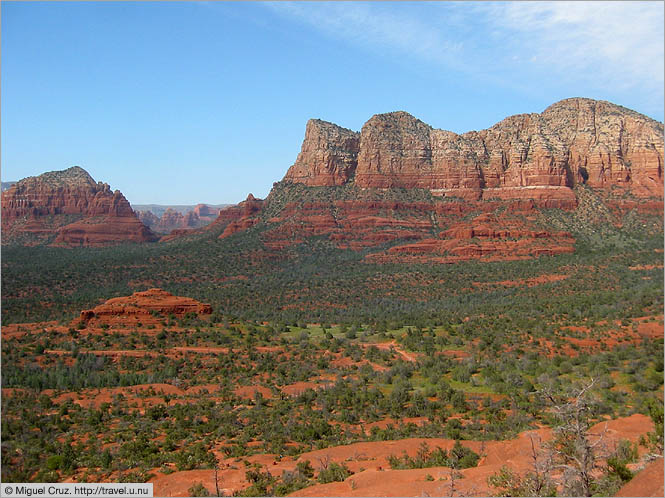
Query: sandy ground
[374,477]
[649,482]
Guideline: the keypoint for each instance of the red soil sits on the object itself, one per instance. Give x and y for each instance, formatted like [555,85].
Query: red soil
[529,282]
[377,479]
[298,388]
[249,392]
[649,482]
[458,354]
[209,350]
[382,424]
[17,330]
[143,395]
[135,353]
[387,346]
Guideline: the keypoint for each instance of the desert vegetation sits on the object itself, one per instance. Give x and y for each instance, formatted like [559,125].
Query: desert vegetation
[324,370]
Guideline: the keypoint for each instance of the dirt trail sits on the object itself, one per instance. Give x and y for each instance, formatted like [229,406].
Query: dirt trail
[386,346]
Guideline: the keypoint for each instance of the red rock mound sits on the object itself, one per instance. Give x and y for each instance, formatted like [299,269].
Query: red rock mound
[72,206]
[648,482]
[145,307]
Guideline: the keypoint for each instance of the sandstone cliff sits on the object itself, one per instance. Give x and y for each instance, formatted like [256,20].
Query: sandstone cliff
[72,206]
[528,156]
[328,157]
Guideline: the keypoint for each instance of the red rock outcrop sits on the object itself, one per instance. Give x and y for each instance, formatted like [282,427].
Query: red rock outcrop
[206,213]
[144,307]
[148,218]
[527,156]
[486,236]
[239,217]
[329,155]
[104,230]
[520,165]
[47,204]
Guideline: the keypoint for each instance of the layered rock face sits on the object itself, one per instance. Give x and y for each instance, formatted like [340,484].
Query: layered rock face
[606,144]
[148,306]
[72,205]
[328,157]
[400,181]
[529,156]
[398,150]
[239,217]
[148,218]
[205,213]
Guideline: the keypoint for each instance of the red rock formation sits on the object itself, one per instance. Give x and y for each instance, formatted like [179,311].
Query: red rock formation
[527,156]
[171,219]
[239,217]
[176,233]
[328,155]
[484,237]
[47,204]
[609,145]
[147,218]
[206,213]
[104,230]
[145,307]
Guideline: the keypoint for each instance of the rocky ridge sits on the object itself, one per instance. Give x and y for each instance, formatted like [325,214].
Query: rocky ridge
[524,156]
[69,208]
[438,196]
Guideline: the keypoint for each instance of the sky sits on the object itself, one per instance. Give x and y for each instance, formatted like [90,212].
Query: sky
[188,102]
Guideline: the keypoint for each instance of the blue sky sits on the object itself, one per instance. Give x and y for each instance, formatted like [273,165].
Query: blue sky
[186,102]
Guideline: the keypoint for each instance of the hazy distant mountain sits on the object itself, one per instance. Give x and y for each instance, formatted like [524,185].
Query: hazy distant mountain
[165,219]
[68,208]
[7,185]
[159,209]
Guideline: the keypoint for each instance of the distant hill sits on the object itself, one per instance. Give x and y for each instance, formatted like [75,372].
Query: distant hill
[164,219]
[7,185]
[159,209]
[68,208]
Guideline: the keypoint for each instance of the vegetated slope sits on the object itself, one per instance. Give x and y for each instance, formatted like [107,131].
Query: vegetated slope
[172,396]
[68,208]
[316,280]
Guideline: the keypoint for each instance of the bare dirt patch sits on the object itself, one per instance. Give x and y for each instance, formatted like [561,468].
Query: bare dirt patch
[649,482]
